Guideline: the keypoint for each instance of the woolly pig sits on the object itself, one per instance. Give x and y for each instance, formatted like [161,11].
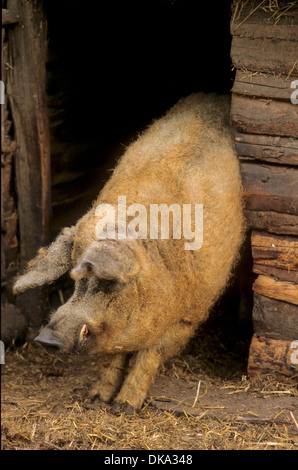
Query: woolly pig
[144,297]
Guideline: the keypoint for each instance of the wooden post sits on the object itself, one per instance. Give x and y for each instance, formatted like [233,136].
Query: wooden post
[26,90]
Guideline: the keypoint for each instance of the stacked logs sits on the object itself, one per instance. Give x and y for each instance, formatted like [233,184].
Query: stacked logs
[265,116]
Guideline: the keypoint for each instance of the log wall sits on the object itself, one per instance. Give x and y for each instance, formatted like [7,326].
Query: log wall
[264,53]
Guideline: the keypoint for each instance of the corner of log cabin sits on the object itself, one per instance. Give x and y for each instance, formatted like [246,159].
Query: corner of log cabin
[264,54]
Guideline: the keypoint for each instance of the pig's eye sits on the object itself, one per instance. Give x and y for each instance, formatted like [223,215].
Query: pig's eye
[105,286]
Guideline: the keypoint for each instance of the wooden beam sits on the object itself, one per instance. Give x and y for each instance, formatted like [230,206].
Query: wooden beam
[265,55]
[261,85]
[270,187]
[265,148]
[272,356]
[277,273]
[271,221]
[275,289]
[275,250]
[262,116]
[26,91]
[252,20]
[275,318]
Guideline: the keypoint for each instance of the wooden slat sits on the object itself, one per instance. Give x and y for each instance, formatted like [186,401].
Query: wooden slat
[280,290]
[248,29]
[275,250]
[272,221]
[275,318]
[261,85]
[257,19]
[272,356]
[276,273]
[270,187]
[265,55]
[256,116]
[267,148]
[26,91]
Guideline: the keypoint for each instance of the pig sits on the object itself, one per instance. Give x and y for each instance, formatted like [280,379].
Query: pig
[137,301]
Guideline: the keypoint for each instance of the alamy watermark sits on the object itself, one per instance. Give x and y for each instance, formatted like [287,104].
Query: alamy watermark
[2,92]
[162,222]
[294,355]
[294,94]
[2,353]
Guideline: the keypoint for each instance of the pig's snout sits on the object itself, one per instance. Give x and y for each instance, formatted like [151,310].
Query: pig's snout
[47,338]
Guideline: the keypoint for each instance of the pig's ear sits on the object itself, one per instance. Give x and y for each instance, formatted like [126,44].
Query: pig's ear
[110,259]
[49,264]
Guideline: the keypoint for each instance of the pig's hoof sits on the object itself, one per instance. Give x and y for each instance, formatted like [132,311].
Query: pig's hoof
[123,408]
[105,394]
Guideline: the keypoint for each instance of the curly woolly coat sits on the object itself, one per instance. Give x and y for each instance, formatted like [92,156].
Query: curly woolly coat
[148,296]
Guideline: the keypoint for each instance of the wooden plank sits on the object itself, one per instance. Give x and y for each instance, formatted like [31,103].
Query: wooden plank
[275,250]
[265,55]
[276,273]
[27,98]
[267,148]
[272,222]
[275,318]
[256,116]
[280,290]
[272,356]
[270,187]
[286,32]
[26,91]
[261,85]
[257,19]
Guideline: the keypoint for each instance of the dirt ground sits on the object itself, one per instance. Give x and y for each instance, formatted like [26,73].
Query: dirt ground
[200,400]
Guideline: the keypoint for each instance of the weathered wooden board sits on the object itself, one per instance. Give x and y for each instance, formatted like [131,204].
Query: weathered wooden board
[275,250]
[262,116]
[277,273]
[265,39]
[272,222]
[272,356]
[275,318]
[27,98]
[262,85]
[261,28]
[282,150]
[270,187]
[26,91]
[275,289]
[256,19]
[265,55]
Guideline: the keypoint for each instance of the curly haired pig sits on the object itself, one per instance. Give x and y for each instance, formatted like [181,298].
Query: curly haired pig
[147,296]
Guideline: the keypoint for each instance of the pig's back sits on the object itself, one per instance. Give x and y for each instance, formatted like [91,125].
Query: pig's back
[188,157]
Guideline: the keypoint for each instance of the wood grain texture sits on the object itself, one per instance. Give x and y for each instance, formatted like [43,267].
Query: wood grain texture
[272,356]
[275,289]
[275,318]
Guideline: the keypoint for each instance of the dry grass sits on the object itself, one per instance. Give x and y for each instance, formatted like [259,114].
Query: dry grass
[274,9]
[45,406]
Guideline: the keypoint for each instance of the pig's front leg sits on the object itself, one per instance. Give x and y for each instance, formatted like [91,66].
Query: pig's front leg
[111,377]
[135,387]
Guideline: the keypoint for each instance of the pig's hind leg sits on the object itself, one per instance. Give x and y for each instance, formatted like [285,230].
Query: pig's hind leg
[111,378]
[147,362]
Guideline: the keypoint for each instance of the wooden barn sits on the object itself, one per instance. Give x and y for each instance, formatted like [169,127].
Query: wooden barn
[66,102]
